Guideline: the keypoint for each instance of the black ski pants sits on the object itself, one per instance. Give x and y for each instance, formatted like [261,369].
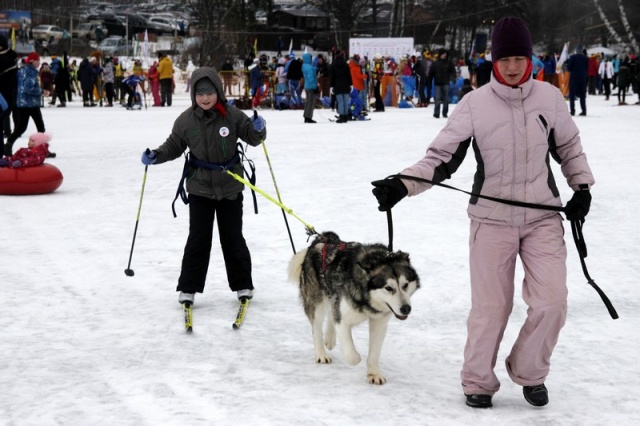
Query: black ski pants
[24,114]
[166,91]
[379,105]
[577,89]
[195,262]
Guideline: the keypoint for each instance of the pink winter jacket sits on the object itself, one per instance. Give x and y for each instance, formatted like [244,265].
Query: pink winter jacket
[514,132]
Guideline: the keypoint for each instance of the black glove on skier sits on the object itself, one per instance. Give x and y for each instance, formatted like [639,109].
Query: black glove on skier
[578,206]
[388,192]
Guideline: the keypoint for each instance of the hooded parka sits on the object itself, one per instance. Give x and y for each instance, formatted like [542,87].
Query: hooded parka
[210,136]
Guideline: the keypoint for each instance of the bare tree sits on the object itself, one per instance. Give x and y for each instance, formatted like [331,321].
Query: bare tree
[607,23]
[344,15]
[627,27]
[218,22]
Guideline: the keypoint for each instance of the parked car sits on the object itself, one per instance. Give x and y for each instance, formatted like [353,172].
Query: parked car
[112,22]
[161,25]
[48,32]
[114,46]
[136,23]
[87,30]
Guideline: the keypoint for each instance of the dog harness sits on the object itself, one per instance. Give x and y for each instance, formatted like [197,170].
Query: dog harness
[191,161]
[329,251]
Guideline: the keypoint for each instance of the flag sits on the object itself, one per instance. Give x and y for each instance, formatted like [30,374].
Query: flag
[291,47]
[563,57]
[145,46]
[472,53]
[255,47]
[13,38]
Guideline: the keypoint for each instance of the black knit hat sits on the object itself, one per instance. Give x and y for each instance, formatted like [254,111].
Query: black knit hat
[204,86]
[510,37]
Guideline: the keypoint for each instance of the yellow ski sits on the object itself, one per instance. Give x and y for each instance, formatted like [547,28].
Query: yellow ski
[188,318]
[242,311]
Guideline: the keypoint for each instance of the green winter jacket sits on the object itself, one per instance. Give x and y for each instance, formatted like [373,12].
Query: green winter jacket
[210,136]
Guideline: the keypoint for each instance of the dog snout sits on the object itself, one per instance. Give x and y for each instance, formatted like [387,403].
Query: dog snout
[405,309]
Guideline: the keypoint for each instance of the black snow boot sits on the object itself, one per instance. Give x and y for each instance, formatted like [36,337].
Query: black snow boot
[479,401]
[536,395]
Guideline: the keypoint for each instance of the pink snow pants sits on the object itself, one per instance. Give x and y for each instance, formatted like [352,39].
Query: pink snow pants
[493,252]
[155,90]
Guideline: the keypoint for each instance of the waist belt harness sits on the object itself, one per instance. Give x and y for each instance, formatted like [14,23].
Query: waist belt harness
[190,161]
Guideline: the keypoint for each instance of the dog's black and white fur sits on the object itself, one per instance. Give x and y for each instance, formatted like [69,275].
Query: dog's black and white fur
[348,283]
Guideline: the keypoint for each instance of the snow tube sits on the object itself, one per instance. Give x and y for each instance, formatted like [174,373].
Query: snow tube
[41,179]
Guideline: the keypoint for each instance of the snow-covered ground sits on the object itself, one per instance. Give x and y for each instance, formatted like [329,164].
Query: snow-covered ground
[83,344]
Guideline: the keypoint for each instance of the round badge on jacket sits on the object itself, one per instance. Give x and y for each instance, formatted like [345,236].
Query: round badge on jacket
[224,132]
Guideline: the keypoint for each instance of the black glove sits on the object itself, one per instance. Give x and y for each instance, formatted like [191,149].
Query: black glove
[578,206]
[388,192]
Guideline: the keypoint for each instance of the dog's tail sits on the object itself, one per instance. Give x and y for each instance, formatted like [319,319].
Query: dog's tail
[295,266]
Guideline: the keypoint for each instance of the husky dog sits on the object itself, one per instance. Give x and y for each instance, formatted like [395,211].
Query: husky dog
[349,283]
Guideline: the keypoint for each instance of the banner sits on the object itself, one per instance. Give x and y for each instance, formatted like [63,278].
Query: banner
[395,47]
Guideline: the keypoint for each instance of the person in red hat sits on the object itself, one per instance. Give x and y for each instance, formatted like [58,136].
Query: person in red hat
[28,101]
[515,125]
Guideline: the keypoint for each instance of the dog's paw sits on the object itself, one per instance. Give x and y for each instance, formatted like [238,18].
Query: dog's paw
[352,358]
[323,359]
[376,379]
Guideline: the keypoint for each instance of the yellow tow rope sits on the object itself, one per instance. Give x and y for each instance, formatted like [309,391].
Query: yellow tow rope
[310,229]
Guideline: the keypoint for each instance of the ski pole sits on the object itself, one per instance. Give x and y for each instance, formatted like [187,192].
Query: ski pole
[129,272]
[273,177]
[144,93]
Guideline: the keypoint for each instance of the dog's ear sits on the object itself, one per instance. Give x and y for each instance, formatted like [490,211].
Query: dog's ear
[372,260]
[399,256]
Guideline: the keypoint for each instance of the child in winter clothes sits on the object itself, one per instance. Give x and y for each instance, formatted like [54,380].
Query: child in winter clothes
[46,79]
[281,76]
[36,152]
[256,81]
[130,85]
[210,129]
[154,79]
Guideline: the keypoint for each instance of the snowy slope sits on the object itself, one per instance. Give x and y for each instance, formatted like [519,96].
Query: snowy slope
[83,344]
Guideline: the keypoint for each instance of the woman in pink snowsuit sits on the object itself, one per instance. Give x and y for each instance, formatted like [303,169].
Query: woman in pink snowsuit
[36,152]
[515,125]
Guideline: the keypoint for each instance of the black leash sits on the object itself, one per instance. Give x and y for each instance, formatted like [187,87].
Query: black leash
[390,229]
[576,229]
[486,197]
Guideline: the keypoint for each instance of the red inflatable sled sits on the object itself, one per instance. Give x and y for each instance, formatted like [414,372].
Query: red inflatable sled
[41,179]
